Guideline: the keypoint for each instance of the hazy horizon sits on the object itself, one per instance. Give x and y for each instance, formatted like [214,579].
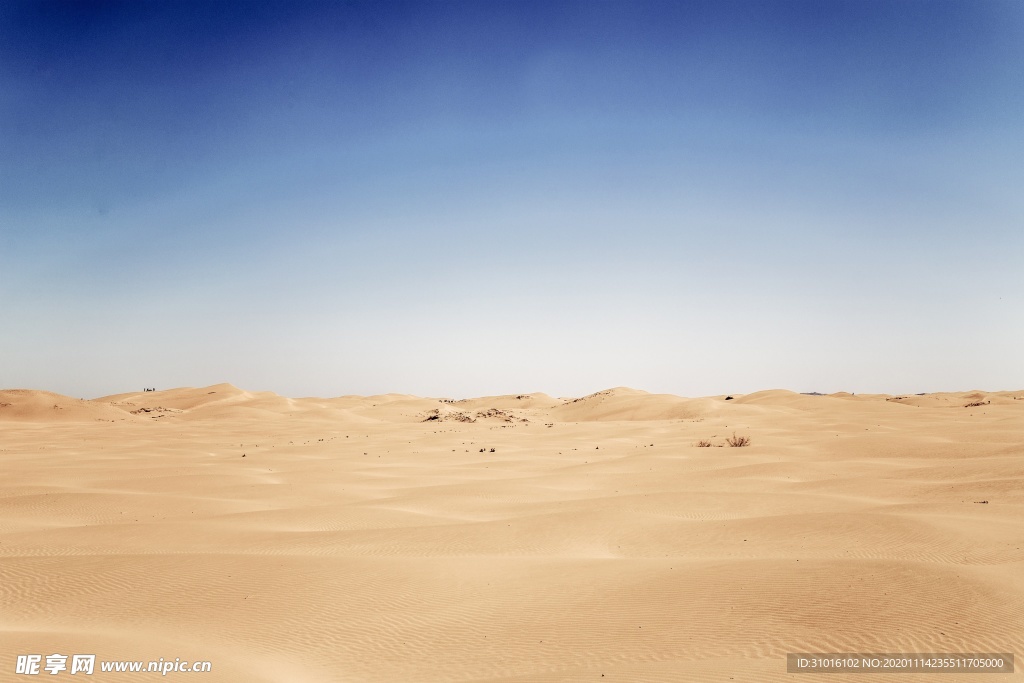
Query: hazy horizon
[467,199]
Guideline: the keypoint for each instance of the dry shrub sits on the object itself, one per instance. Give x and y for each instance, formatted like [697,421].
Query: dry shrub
[738,441]
[703,443]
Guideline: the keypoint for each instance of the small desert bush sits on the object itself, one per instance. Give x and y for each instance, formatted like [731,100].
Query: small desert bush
[738,441]
[703,443]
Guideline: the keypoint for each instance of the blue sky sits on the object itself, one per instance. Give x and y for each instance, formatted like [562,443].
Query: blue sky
[464,198]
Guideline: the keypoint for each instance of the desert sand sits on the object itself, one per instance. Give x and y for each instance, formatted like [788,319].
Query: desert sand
[509,538]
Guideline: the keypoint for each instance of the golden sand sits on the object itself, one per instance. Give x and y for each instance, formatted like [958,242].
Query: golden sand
[510,538]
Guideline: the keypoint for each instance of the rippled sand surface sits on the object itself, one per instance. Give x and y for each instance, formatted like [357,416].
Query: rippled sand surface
[512,538]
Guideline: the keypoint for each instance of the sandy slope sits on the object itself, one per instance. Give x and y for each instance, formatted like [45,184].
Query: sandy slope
[354,539]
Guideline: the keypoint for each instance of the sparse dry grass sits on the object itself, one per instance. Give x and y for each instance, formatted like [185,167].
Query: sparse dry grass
[703,443]
[738,441]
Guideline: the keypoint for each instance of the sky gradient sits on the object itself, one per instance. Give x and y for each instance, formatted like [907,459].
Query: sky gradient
[470,198]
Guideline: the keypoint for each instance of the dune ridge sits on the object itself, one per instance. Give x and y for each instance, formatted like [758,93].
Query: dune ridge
[616,404]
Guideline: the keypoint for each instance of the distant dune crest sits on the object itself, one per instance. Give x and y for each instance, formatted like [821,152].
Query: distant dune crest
[225,401]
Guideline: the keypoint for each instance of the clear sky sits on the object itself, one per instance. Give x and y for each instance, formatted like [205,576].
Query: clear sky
[466,198]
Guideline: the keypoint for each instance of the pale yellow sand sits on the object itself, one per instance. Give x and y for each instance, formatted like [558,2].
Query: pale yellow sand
[356,542]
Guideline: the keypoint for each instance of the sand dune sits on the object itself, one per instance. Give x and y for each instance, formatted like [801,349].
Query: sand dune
[624,404]
[509,538]
[44,406]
